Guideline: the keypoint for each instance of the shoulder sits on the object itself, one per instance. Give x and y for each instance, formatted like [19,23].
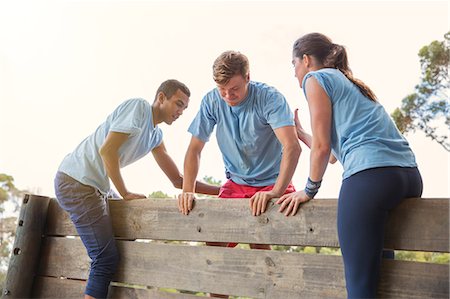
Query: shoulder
[263,88]
[134,104]
[327,78]
[212,101]
[265,92]
[325,74]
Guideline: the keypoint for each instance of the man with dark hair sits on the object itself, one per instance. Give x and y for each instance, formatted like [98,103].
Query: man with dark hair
[82,183]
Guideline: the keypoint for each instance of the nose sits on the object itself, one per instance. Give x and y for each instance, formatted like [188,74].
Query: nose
[227,95]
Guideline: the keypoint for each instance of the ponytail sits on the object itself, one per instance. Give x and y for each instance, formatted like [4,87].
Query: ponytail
[330,55]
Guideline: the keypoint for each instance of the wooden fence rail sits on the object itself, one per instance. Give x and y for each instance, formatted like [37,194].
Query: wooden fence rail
[144,227]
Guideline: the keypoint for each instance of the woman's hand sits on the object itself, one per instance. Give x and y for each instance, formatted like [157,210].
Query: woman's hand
[298,126]
[291,202]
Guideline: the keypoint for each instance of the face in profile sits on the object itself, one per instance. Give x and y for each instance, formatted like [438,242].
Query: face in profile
[300,69]
[174,106]
[235,90]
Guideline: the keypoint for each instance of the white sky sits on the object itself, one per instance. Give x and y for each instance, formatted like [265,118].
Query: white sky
[65,65]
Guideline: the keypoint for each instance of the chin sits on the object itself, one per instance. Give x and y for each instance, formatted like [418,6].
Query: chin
[233,103]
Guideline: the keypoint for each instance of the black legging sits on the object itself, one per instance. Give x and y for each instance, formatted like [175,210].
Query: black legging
[365,200]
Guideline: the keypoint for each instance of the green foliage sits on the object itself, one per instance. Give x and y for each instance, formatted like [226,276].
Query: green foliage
[158,194]
[8,193]
[212,181]
[428,106]
[7,188]
[419,256]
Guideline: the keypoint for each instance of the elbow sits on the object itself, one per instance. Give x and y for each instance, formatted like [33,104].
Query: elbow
[321,149]
[293,150]
[104,151]
[178,182]
[332,159]
[296,149]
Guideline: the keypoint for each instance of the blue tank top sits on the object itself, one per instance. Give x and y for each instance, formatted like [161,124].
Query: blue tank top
[363,134]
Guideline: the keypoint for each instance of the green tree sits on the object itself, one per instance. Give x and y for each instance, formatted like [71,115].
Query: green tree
[158,194]
[212,181]
[8,191]
[8,194]
[429,106]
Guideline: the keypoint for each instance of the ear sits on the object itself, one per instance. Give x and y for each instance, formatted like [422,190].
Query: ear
[247,78]
[306,59]
[161,97]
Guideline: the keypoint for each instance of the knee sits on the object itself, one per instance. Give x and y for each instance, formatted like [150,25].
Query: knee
[109,259]
[114,258]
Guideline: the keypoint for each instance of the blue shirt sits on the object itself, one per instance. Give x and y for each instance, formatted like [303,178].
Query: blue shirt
[133,117]
[363,135]
[250,149]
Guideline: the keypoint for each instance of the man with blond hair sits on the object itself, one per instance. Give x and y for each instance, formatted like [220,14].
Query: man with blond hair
[255,133]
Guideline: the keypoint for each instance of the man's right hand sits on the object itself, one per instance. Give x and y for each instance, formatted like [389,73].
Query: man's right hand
[130,196]
[186,202]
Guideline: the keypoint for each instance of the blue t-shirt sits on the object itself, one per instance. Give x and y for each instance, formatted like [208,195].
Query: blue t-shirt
[363,135]
[251,151]
[133,117]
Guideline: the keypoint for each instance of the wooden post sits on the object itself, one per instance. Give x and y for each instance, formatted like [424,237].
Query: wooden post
[25,253]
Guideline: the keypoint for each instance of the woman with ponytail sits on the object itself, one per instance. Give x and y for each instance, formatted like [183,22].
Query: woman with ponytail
[379,166]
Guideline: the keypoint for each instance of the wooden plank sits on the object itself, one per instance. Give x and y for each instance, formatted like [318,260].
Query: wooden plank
[57,288]
[417,224]
[402,279]
[252,273]
[24,261]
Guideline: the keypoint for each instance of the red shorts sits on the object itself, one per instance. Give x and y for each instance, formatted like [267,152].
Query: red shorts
[232,190]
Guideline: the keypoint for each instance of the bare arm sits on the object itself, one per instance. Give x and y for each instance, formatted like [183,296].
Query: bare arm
[289,160]
[307,138]
[321,115]
[191,166]
[109,153]
[169,167]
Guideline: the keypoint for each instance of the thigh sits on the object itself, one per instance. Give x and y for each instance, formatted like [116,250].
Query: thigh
[88,210]
[84,203]
[366,198]
[361,219]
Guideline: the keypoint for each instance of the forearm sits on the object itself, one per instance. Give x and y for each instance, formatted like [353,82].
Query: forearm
[305,137]
[191,166]
[288,165]
[319,158]
[204,188]
[112,168]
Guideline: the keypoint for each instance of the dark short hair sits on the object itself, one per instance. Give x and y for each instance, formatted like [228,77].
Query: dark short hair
[170,87]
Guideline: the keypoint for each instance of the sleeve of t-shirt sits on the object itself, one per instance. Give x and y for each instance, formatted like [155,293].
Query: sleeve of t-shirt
[323,81]
[277,111]
[204,122]
[130,116]
[158,137]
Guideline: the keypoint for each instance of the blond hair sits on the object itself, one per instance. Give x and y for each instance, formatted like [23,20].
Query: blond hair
[229,64]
